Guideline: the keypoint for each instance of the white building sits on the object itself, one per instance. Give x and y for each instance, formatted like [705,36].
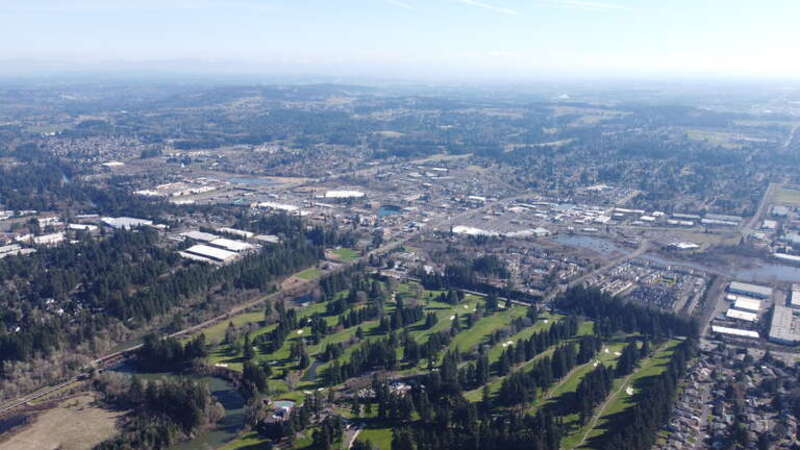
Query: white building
[200,236]
[213,253]
[735,332]
[343,194]
[232,245]
[126,223]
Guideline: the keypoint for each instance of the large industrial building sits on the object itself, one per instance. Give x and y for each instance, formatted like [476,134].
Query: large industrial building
[794,298]
[752,290]
[734,332]
[199,236]
[741,315]
[212,253]
[126,223]
[784,328]
[232,245]
[747,304]
[214,249]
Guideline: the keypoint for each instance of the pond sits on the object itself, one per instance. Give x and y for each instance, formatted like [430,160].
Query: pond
[389,210]
[597,244]
[755,271]
[225,393]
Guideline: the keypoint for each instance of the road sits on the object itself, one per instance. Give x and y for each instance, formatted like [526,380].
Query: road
[751,224]
[295,290]
[644,245]
[299,288]
[789,139]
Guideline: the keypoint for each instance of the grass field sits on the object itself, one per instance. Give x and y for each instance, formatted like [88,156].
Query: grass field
[309,274]
[216,332]
[75,424]
[247,441]
[619,399]
[466,340]
[787,196]
[380,437]
[346,254]
[722,138]
[475,335]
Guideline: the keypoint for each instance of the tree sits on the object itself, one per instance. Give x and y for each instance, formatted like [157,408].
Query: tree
[401,439]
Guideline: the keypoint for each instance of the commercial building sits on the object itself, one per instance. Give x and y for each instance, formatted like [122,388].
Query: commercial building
[198,258]
[268,238]
[735,332]
[794,298]
[784,327]
[14,249]
[684,246]
[277,207]
[82,227]
[213,253]
[200,236]
[753,290]
[780,211]
[49,239]
[741,315]
[235,232]
[747,304]
[231,245]
[344,194]
[787,257]
[126,223]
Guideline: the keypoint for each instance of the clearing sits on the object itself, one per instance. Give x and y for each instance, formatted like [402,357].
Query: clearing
[75,424]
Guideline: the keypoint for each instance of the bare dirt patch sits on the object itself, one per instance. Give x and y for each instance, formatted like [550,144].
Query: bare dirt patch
[76,423]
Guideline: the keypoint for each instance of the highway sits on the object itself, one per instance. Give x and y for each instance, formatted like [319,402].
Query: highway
[751,224]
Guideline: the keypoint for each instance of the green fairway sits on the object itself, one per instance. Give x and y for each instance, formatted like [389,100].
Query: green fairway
[544,322]
[474,336]
[345,254]
[380,437]
[620,399]
[246,441]
[309,274]
[216,332]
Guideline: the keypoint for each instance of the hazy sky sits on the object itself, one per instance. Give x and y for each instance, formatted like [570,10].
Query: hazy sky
[481,38]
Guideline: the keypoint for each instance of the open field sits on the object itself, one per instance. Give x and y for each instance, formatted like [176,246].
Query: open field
[380,437]
[74,424]
[345,254]
[787,196]
[722,138]
[247,441]
[309,274]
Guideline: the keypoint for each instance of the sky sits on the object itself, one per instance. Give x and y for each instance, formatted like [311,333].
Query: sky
[514,39]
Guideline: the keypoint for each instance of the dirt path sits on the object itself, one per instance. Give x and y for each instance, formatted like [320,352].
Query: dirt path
[597,415]
[602,408]
[353,438]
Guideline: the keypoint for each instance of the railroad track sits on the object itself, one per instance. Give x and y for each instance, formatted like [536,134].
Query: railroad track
[300,288]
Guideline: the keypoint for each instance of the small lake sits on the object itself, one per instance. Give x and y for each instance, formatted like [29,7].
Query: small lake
[225,393]
[594,243]
[389,210]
